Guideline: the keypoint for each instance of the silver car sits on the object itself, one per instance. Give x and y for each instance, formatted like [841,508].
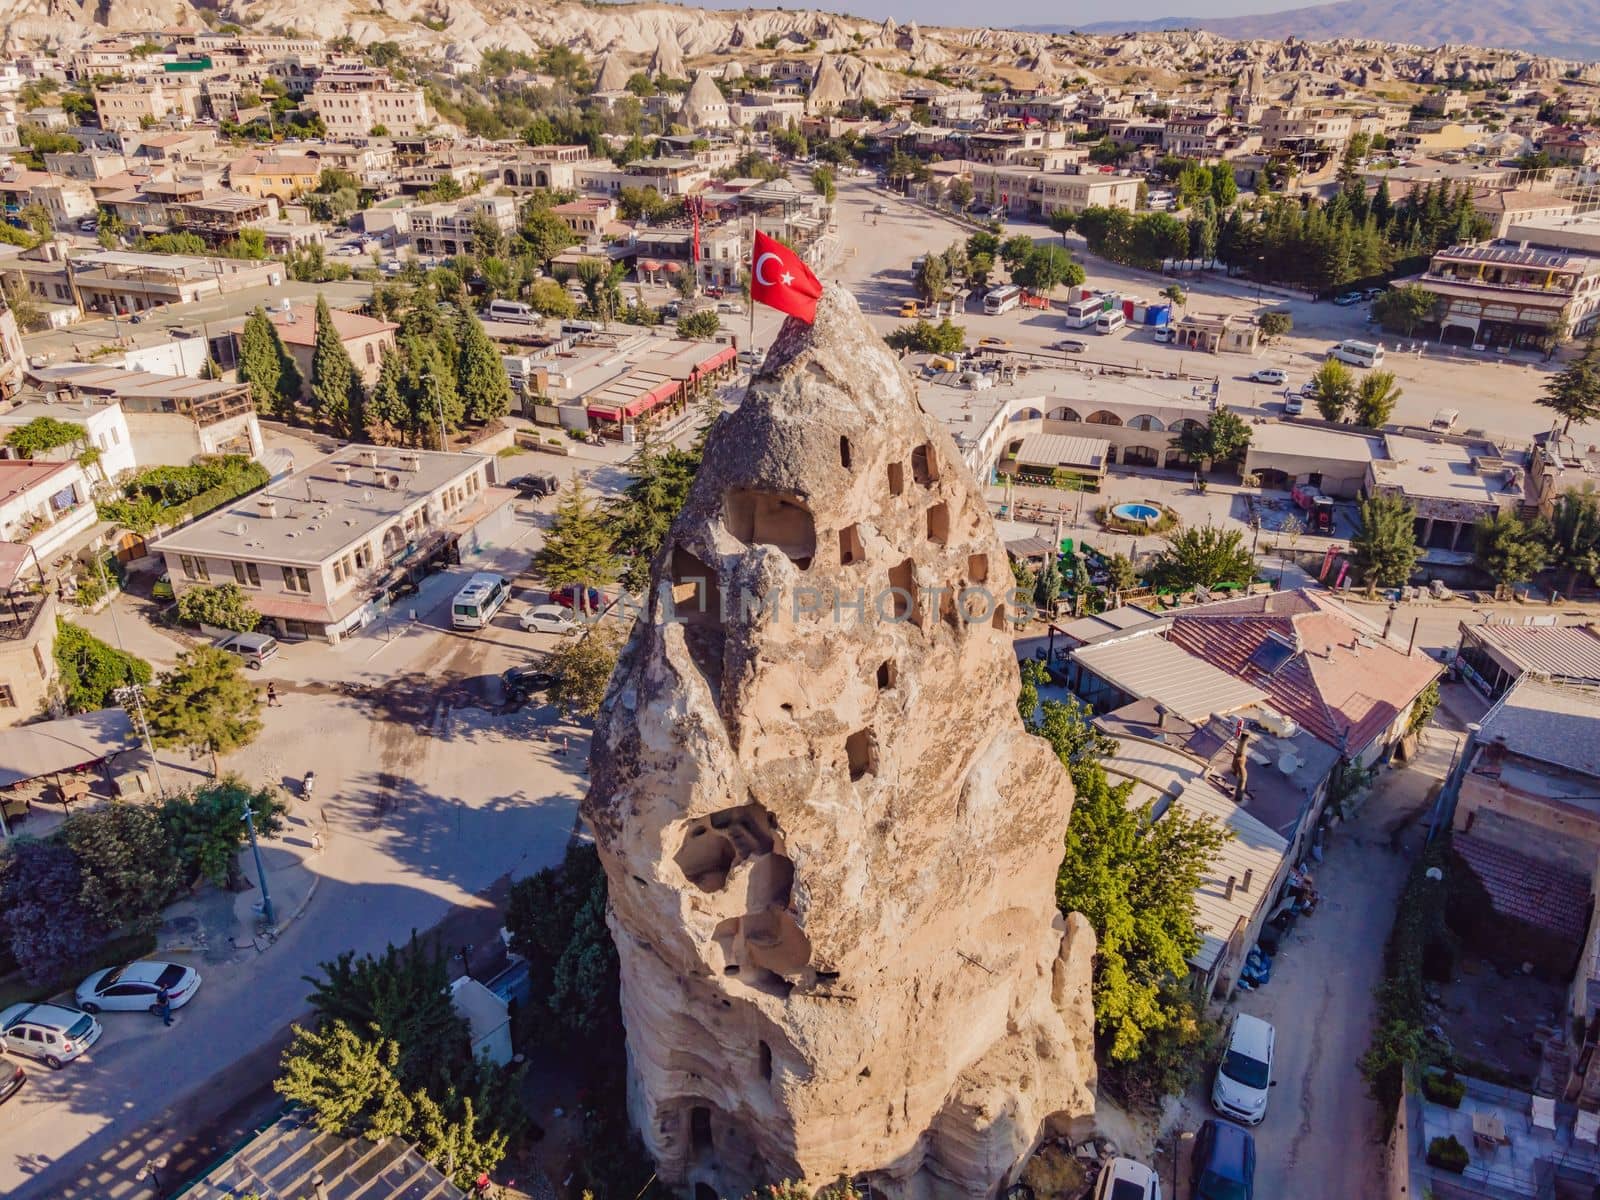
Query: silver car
[52,1033]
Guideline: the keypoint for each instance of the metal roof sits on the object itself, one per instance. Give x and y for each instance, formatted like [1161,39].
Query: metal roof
[1151,668]
[1548,723]
[1059,450]
[1562,652]
[29,751]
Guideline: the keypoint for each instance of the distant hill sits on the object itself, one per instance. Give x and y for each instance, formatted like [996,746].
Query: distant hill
[1561,28]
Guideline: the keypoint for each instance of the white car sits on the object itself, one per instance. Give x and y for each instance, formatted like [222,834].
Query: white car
[1273,375]
[1124,1179]
[137,987]
[1244,1076]
[548,618]
[52,1033]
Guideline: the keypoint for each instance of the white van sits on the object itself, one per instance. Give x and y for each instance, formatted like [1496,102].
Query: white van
[1110,322]
[510,310]
[1358,354]
[477,602]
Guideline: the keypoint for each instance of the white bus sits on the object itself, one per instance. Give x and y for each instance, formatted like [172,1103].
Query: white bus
[477,602]
[1358,354]
[1002,299]
[1083,313]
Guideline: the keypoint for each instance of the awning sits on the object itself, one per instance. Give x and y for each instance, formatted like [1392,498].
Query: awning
[649,264]
[604,410]
[13,558]
[674,267]
[30,751]
[722,356]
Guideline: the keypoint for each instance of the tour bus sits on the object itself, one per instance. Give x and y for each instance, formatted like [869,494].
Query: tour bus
[1002,300]
[1083,313]
[477,602]
[1358,354]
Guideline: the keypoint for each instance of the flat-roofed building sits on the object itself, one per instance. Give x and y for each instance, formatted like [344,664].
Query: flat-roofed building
[359,102]
[48,506]
[1506,294]
[319,552]
[1492,657]
[1450,483]
[164,420]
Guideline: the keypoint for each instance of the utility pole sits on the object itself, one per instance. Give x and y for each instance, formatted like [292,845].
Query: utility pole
[267,914]
[133,689]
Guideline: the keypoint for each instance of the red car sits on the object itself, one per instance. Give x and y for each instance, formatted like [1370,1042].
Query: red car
[715,292]
[565,597]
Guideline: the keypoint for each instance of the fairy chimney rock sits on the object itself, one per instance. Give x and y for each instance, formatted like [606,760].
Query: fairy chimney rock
[831,846]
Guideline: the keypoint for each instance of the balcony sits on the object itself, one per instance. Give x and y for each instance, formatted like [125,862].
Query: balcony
[18,612]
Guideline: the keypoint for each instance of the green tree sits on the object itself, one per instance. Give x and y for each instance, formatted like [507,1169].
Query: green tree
[337,396]
[1401,309]
[958,192]
[128,866]
[205,827]
[822,183]
[542,234]
[652,499]
[550,298]
[930,277]
[223,606]
[1034,676]
[349,1083]
[579,548]
[43,434]
[1332,389]
[944,338]
[582,667]
[1508,549]
[1062,222]
[204,703]
[702,325]
[1223,438]
[1375,398]
[1575,535]
[1383,550]
[266,366]
[481,377]
[1014,251]
[1048,268]
[386,412]
[1124,577]
[1574,393]
[1224,187]
[1274,325]
[1204,556]
[91,671]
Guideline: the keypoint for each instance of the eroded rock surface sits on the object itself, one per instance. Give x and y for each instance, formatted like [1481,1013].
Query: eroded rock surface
[831,847]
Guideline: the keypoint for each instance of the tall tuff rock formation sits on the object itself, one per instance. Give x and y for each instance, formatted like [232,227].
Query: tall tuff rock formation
[831,847]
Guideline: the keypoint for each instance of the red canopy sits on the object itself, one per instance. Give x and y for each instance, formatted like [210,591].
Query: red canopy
[724,355]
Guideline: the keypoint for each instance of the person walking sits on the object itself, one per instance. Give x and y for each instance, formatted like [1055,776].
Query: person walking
[272,695]
[164,1006]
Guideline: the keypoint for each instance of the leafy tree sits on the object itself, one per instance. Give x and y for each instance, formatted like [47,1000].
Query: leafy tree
[204,703]
[550,298]
[336,392]
[1508,549]
[349,1083]
[224,606]
[206,829]
[1401,309]
[1375,398]
[702,325]
[542,234]
[1048,268]
[24,305]
[1575,535]
[583,667]
[41,908]
[930,277]
[1224,187]
[1062,222]
[1274,325]
[641,516]
[585,980]
[1223,438]
[1383,550]
[266,365]
[481,376]
[1124,577]
[457,1138]
[402,996]
[1332,389]
[822,183]
[958,192]
[579,548]
[1068,725]
[44,434]
[1574,393]
[556,921]
[1204,556]
[91,671]
[386,412]
[1034,676]
[129,870]
[1014,251]
[944,338]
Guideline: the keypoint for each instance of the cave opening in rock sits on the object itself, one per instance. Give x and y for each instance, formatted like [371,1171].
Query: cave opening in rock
[761,518]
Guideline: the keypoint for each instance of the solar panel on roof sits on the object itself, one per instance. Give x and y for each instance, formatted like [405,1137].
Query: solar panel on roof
[1271,654]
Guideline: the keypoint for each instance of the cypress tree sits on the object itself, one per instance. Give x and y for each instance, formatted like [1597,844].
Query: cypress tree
[386,415]
[481,375]
[259,362]
[336,392]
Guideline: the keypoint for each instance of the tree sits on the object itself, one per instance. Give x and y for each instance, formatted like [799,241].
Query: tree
[944,338]
[129,869]
[1221,439]
[1574,393]
[1224,187]
[24,305]
[348,1082]
[45,922]
[1274,325]
[1332,389]
[386,412]
[1384,548]
[204,704]
[1048,268]
[481,378]
[224,606]
[1123,576]
[641,516]
[550,298]
[43,434]
[702,325]
[930,277]
[206,829]
[1175,295]
[542,234]
[1375,398]
[1508,549]
[1014,251]
[336,392]
[822,183]
[582,667]
[266,366]
[556,919]
[958,192]
[1204,556]
[578,549]
[1575,535]
[1062,222]
[1402,309]
[91,671]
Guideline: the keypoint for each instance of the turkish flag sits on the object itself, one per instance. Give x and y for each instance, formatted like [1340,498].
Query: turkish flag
[780,280]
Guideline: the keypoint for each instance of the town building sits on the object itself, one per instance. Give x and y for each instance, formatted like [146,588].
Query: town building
[47,506]
[1494,656]
[283,177]
[125,105]
[320,552]
[126,281]
[1503,294]
[1509,209]
[1305,132]
[610,381]
[1450,483]
[66,200]
[448,226]
[27,635]
[105,430]
[142,418]
[357,103]
[1038,193]
[365,339]
[587,216]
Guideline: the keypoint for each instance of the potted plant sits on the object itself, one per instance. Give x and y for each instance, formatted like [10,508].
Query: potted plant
[1448,1154]
[1446,1088]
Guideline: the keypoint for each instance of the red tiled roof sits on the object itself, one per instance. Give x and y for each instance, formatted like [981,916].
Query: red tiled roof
[1526,889]
[1343,692]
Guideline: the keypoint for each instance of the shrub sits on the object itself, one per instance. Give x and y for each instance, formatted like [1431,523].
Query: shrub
[1446,1088]
[1448,1154]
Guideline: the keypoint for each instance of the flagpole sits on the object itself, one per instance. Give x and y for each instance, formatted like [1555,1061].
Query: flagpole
[750,300]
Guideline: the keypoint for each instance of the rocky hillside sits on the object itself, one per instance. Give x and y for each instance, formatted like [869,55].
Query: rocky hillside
[1562,28]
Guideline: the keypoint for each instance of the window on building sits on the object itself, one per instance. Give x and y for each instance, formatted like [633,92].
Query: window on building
[246,574]
[187,565]
[7,700]
[372,354]
[296,579]
[363,556]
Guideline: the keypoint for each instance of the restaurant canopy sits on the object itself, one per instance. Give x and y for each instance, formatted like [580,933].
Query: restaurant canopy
[31,751]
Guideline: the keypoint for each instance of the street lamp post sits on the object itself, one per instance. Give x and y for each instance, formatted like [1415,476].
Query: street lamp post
[267,914]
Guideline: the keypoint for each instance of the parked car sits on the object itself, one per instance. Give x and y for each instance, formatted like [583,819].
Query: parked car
[257,649]
[536,485]
[52,1033]
[880,208]
[715,291]
[521,682]
[1273,375]
[161,591]
[1373,293]
[1224,1162]
[1124,1179]
[137,986]
[1069,346]
[1347,299]
[997,343]
[547,618]
[1293,403]
[1165,333]
[1244,1076]
[13,1084]
[567,596]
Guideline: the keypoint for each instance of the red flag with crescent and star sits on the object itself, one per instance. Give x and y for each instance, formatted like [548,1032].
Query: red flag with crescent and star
[780,280]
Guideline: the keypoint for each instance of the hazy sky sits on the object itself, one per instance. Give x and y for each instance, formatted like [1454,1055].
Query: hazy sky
[1024,12]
